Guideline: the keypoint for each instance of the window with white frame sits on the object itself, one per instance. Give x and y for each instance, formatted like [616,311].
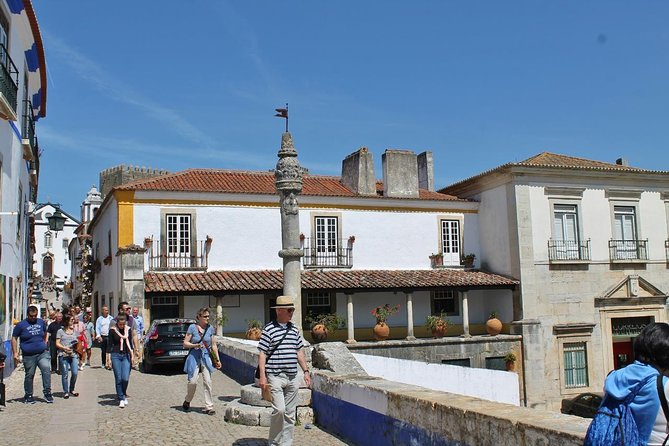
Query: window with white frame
[178,235]
[319,303]
[326,239]
[445,301]
[48,240]
[575,365]
[625,241]
[565,232]
[450,241]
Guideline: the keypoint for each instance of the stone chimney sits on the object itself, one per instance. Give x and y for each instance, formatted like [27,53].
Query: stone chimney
[357,172]
[400,173]
[426,171]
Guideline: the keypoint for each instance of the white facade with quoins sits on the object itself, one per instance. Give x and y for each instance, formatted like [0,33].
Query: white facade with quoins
[588,242]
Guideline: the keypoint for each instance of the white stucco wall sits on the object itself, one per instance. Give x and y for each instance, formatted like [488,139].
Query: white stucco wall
[59,243]
[493,224]
[492,385]
[107,281]
[250,307]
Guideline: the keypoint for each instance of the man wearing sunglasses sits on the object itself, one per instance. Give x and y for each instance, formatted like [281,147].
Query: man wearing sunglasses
[32,333]
[282,342]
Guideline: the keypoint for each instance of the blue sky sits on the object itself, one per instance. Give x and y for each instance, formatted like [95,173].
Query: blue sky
[173,84]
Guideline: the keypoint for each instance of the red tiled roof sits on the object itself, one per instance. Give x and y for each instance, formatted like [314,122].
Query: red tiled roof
[251,182]
[557,161]
[255,281]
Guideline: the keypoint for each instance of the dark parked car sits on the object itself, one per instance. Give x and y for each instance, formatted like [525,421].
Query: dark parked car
[584,405]
[164,342]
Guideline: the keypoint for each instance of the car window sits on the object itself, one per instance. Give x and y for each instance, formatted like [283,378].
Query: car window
[172,329]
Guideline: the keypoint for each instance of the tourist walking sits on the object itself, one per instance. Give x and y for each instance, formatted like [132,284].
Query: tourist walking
[102,331]
[280,354]
[31,332]
[89,333]
[199,339]
[66,341]
[55,325]
[120,357]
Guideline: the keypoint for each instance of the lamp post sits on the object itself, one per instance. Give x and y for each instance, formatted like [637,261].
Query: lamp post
[56,220]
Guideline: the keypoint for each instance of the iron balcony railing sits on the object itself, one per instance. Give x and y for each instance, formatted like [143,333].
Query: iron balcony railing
[320,253]
[628,250]
[177,257]
[29,124]
[666,249]
[561,250]
[9,77]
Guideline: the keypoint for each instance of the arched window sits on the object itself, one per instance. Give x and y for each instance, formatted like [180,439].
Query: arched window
[47,266]
[48,240]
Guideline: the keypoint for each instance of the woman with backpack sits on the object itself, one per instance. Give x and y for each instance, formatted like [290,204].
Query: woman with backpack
[632,410]
[199,340]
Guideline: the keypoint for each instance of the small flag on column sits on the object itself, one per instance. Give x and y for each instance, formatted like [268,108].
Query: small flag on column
[283,113]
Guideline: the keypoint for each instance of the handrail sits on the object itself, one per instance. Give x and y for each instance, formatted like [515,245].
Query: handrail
[559,250]
[9,77]
[628,249]
[339,256]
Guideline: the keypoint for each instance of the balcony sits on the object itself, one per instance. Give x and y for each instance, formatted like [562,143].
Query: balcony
[666,249]
[628,250]
[320,255]
[566,251]
[29,140]
[160,258]
[9,85]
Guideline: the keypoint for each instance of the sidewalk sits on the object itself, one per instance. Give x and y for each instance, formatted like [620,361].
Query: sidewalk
[153,415]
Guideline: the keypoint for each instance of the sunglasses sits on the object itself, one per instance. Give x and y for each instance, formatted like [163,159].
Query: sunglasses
[290,310]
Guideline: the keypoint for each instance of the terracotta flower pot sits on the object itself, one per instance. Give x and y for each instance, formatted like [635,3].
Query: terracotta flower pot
[381,331]
[510,366]
[319,333]
[439,331]
[493,326]
[253,334]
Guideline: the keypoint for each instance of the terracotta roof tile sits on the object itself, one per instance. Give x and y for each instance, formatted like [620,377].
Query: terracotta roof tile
[264,280]
[252,182]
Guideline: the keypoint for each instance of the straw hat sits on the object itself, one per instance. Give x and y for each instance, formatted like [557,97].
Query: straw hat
[284,302]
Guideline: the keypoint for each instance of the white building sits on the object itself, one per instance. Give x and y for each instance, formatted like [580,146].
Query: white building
[204,237]
[52,265]
[588,241]
[22,102]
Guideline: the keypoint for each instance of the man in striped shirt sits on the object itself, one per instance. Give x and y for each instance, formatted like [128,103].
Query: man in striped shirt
[282,342]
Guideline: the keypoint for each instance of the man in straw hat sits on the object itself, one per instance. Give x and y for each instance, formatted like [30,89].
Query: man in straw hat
[282,343]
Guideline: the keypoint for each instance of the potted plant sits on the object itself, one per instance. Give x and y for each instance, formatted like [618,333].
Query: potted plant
[510,361]
[254,329]
[437,325]
[437,260]
[468,260]
[322,324]
[222,320]
[382,313]
[493,325]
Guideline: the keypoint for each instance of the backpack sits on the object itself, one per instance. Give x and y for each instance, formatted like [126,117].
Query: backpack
[614,424]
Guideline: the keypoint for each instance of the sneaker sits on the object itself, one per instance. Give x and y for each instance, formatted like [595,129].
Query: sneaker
[121,404]
[49,398]
[66,396]
[28,399]
[186,406]
[126,402]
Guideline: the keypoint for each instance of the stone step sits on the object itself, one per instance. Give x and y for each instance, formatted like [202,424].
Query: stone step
[240,413]
[251,395]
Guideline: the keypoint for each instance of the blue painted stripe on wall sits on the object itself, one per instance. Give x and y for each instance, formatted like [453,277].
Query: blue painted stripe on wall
[237,370]
[37,103]
[16,6]
[363,427]
[17,132]
[32,59]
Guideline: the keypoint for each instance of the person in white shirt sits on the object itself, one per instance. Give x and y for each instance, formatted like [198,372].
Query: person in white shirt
[102,332]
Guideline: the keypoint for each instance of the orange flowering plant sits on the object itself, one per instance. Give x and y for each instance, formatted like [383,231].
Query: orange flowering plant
[384,312]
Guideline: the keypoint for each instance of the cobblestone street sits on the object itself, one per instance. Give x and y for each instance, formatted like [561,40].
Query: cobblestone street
[153,416]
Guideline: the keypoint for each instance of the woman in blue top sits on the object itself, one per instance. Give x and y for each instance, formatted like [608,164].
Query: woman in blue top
[651,357]
[199,338]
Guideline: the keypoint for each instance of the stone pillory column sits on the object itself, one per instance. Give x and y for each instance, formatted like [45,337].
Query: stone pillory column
[288,180]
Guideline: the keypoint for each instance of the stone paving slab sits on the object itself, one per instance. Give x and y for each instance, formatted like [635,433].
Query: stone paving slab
[153,416]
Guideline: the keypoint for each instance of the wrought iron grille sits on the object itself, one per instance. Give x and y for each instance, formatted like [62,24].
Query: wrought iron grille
[568,250]
[327,255]
[160,257]
[628,249]
[29,124]
[9,77]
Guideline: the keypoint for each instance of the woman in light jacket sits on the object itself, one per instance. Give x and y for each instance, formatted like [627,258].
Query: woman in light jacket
[66,341]
[120,357]
[199,339]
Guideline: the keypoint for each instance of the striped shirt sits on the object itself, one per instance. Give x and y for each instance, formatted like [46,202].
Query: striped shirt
[284,358]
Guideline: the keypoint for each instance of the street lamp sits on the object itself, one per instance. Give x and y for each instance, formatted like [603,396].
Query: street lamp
[56,220]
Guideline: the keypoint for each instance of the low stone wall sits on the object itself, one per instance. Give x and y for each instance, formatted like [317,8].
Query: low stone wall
[366,410]
[238,359]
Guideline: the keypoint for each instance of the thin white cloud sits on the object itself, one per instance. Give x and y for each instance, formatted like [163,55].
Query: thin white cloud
[99,78]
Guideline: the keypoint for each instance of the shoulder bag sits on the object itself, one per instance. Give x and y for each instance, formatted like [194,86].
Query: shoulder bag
[269,354]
